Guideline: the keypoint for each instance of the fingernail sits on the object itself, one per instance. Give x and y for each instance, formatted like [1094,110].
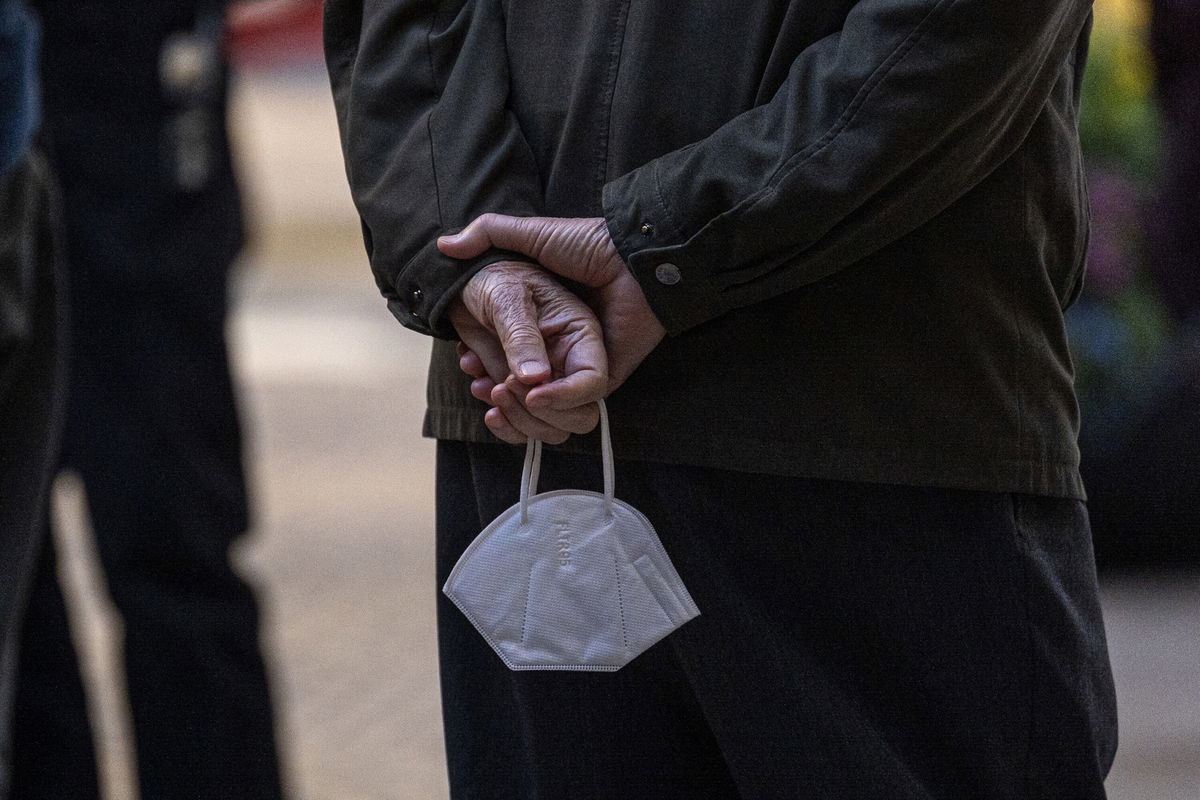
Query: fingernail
[530,368]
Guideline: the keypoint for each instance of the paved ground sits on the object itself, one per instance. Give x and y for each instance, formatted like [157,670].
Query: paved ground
[332,389]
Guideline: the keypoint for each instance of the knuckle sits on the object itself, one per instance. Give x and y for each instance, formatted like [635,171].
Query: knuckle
[506,433]
[525,338]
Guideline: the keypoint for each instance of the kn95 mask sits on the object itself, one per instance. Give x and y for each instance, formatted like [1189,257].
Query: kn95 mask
[569,580]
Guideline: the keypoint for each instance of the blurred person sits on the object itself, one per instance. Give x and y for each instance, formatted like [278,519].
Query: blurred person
[135,127]
[816,254]
[30,341]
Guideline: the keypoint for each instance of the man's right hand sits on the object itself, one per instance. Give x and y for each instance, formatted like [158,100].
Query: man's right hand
[533,338]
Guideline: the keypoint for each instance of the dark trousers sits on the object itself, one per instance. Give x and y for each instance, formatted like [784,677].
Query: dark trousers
[153,433]
[30,401]
[855,641]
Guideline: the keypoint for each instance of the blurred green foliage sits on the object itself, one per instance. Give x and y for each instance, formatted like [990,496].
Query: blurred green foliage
[1119,124]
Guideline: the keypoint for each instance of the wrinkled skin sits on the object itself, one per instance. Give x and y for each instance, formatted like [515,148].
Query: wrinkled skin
[526,338]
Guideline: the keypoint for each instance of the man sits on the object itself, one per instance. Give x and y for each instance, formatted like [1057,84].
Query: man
[857,225]
[135,128]
[30,347]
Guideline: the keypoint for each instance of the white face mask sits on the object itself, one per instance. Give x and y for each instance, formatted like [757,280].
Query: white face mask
[569,579]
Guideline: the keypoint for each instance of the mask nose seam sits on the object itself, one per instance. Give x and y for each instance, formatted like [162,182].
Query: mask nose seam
[525,613]
[620,602]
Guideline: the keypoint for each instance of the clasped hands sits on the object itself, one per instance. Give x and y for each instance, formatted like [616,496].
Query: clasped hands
[542,354]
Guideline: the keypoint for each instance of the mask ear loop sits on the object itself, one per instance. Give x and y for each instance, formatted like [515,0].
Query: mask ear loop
[531,470]
[606,451]
[529,475]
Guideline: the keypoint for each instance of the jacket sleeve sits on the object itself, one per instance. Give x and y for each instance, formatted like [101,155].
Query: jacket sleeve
[876,129]
[420,88]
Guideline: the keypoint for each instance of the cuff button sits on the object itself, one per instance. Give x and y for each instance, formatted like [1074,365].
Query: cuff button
[647,229]
[415,297]
[668,274]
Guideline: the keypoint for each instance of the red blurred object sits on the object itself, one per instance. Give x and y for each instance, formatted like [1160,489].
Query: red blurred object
[269,34]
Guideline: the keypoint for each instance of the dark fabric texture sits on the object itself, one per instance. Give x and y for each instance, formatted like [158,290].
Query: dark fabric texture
[152,224]
[32,365]
[876,209]
[855,641]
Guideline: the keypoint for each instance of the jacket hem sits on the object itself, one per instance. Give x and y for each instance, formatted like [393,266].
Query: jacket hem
[904,466]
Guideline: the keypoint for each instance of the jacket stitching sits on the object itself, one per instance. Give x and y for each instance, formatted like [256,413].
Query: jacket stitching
[849,115]
[615,48]
[439,88]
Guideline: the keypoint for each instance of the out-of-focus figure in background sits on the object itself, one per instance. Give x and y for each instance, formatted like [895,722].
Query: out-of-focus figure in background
[30,360]
[135,128]
[1135,331]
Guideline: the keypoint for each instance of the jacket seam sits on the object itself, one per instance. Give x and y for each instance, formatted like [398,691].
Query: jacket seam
[799,159]
[615,48]
[439,88]
[852,110]
[1018,325]
[656,181]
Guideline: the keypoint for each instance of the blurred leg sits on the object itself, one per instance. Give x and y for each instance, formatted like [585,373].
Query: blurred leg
[154,433]
[30,402]
[53,752]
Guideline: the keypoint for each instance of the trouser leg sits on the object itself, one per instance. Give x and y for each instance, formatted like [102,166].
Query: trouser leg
[154,435]
[196,680]
[53,753]
[861,641]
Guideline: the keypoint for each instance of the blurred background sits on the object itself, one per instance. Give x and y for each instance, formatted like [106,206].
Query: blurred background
[332,391]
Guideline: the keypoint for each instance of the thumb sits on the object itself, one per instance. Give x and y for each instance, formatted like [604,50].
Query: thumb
[515,320]
[492,230]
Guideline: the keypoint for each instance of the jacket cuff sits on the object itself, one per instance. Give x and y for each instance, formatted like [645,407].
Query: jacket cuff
[424,288]
[678,286]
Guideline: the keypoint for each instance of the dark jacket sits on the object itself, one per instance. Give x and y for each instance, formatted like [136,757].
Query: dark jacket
[871,214]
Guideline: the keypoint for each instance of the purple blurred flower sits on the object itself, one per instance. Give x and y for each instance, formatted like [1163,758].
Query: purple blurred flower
[1115,248]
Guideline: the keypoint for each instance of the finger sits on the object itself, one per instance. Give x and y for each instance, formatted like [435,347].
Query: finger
[481,389]
[570,391]
[470,363]
[580,419]
[475,338]
[515,319]
[491,356]
[492,230]
[499,425]
[519,418]
[585,378]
